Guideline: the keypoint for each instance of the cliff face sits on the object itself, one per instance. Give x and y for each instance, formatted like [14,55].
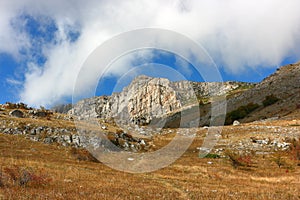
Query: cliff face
[147,98]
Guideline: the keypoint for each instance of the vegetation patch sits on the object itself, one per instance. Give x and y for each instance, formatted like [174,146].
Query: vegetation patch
[212,155]
[269,100]
[240,113]
[82,155]
[23,177]
[239,160]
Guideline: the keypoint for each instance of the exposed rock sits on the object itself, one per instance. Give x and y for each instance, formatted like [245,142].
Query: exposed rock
[40,114]
[10,105]
[17,113]
[147,98]
[236,123]
[48,140]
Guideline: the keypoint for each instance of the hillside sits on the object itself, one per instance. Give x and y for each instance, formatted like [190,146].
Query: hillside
[276,96]
[250,161]
[44,155]
[149,99]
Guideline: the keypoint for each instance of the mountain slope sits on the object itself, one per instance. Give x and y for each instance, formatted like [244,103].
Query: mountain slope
[148,98]
[276,96]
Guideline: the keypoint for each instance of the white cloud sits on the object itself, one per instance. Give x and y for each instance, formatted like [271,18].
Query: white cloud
[238,34]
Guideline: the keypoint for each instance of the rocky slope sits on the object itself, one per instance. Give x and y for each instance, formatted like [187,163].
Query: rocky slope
[276,96]
[41,125]
[148,98]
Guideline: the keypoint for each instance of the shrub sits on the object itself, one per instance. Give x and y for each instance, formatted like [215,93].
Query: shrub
[240,113]
[279,160]
[295,151]
[212,155]
[269,100]
[1,179]
[24,177]
[83,155]
[239,160]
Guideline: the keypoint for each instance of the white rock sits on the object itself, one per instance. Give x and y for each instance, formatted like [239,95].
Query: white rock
[236,123]
[142,142]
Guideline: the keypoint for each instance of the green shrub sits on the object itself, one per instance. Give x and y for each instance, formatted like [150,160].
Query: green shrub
[212,155]
[240,113]
[269,100]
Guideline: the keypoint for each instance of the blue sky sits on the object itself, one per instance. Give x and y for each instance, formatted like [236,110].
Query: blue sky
[44,44]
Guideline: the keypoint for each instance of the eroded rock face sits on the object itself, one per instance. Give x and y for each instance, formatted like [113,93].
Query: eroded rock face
[147,98]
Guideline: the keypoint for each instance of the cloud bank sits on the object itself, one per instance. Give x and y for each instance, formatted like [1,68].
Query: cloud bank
[237,34]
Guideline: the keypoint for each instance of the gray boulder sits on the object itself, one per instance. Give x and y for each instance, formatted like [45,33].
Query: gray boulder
[40,114]
[17,113]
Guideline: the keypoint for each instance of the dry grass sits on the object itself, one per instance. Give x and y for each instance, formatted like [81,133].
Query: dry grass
[187,178]
[73,174]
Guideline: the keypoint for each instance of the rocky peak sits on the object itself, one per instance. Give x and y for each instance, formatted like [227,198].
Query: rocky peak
[146,98]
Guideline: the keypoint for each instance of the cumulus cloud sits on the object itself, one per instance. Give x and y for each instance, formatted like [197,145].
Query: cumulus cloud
[237,34]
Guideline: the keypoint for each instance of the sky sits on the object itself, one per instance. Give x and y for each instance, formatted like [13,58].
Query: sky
[44,44]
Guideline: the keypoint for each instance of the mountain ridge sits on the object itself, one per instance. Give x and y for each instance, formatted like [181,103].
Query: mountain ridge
[146,98]
[149,98]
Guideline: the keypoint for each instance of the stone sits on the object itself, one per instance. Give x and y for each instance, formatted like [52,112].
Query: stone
[48,140]
[76,140]
[236,123]
[35,139]
[39,130]
[33,132]
[17,113]
[142,142]
[122,142]
[40,114]
[67,139]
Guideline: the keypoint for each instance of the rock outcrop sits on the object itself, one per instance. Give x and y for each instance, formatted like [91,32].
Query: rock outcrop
[16,113]
[147,98]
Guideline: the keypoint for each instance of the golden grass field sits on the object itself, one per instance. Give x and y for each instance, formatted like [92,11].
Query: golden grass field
[58,174]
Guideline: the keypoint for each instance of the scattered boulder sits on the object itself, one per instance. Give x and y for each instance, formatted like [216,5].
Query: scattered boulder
[17,113]
[40,114]
[236,123]
[48,140]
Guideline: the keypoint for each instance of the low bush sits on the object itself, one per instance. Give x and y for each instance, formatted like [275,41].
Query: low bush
[269,100]
[212,155]
[279,159]
[23,176]
[1,179]
[240,113]
[83,155]
[295,151]
[239,160]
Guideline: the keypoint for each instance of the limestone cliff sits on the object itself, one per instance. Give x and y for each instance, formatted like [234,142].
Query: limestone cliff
[147,98]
